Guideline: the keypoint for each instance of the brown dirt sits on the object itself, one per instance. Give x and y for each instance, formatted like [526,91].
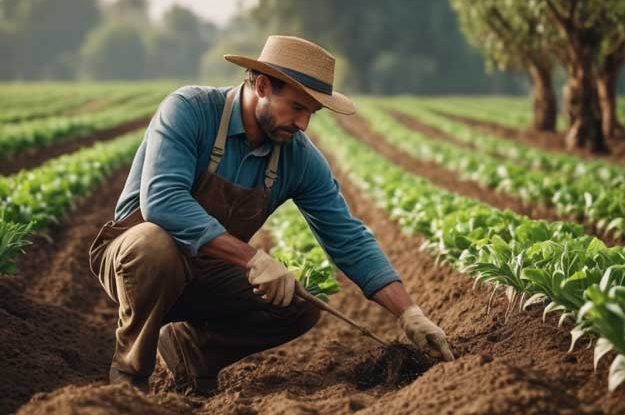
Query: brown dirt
[447,179]
[427,130]
[551,141]
[517,367]
[91,106]
[58,328]
[37,156]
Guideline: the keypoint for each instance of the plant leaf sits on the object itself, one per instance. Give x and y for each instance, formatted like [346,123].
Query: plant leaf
[617,372]
[602,347]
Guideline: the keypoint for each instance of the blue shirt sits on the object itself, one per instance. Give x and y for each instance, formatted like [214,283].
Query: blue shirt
[175,153]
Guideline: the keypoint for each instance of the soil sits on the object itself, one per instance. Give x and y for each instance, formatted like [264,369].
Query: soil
[37,156]
[447,179]
[427,130]
[59,327]
[551,141]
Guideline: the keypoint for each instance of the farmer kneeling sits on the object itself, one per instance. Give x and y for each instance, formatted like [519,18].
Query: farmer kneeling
[214,164]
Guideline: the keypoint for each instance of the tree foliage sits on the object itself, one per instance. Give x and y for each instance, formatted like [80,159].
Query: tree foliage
[515,35]
[585,37]
[115,50]
[177,46]
[40,35]
[401,46]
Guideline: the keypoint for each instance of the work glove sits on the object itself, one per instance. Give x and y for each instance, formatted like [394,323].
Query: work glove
[423,333]
[272,280]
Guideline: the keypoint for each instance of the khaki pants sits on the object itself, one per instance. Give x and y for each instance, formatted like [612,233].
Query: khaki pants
[210,304]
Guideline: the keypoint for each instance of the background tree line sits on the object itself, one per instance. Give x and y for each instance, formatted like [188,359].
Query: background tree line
[584,38]
[400,46]
[392,47]
[81,39]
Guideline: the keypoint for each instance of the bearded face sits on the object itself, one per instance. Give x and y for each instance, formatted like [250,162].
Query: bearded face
[270,124]
[281,114]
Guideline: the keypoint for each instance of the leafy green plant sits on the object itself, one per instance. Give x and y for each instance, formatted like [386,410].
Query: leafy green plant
[297,248]
[12,242]
[33,199]
[591,191]
[41,132]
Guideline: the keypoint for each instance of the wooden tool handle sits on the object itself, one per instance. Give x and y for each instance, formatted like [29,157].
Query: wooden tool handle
[322,305]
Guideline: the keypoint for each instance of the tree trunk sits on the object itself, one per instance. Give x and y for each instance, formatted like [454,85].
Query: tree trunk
[544,101]
[606,88]
[582,107]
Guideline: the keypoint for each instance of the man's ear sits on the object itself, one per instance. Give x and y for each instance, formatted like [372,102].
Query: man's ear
[262,86]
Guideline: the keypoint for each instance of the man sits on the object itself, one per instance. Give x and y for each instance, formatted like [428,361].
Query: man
[214,164]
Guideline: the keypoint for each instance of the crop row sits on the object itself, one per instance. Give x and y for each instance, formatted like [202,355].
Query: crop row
[33,199]
[18,137]
[523,155]
[533,260]
[38,96]
[599,200]
[91,99]
[510,112]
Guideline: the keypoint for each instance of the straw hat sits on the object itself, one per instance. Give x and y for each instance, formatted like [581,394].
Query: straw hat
[302,64]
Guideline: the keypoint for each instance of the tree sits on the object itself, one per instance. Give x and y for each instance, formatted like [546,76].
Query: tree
[129,11]
[45,32]
[582,28]
[244,36]
[611,58]
[399,46]
[115,50]
[513,35]
[176,48]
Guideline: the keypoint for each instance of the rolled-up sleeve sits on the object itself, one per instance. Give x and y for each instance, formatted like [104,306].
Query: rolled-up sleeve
[169,173]
[347,241]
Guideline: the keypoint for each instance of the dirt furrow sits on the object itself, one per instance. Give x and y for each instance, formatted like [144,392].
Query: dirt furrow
[440,176]
[545,140]
[427,130]
[447,179]
[34,157]
[58,324]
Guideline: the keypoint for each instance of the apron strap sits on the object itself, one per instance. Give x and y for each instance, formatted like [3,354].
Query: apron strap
[271,174]
[218,151]
[222,133]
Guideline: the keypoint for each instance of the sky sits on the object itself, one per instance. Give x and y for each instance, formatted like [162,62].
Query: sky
[216,11]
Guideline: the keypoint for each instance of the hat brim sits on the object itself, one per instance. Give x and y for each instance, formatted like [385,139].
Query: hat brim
[336,102]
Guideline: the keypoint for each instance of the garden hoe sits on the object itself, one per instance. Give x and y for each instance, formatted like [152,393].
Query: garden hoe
[322,305]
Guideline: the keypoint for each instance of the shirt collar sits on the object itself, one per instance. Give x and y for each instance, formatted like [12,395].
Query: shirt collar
[235,126]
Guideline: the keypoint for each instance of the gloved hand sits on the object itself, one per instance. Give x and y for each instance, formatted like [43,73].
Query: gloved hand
[423,333]
[272,280]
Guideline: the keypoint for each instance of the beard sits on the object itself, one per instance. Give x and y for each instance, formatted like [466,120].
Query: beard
[267,122]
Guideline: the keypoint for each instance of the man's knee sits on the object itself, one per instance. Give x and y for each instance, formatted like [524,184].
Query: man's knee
[148,254]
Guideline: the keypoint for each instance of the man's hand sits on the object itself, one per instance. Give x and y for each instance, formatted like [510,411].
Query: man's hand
[423,333]
[273,281]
